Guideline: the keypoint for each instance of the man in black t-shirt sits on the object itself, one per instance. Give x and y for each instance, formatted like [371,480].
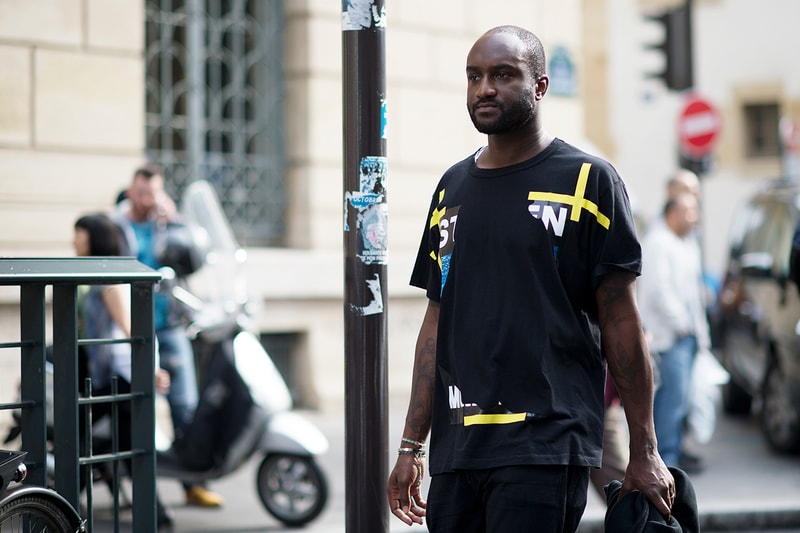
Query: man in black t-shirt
[528,259]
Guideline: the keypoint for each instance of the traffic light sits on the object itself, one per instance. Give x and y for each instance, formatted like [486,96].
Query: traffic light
[676,47]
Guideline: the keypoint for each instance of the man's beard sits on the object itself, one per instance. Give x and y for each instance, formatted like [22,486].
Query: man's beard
[519,114]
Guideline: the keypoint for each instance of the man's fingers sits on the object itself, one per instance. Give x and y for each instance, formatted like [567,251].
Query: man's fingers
[660,492]
[410,514]
[664,506]
[399,513]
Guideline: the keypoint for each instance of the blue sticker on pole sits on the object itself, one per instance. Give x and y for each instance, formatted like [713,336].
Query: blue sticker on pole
[383,118]
[371,211]
[362,15]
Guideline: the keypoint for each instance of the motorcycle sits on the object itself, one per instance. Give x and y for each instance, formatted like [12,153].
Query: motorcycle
[245,407]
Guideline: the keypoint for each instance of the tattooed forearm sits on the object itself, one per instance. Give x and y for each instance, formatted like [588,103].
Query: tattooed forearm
[419,408]
[418,418]
[621,366]
[626,352]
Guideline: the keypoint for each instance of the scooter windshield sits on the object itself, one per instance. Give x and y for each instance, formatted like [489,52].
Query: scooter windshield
[224,258]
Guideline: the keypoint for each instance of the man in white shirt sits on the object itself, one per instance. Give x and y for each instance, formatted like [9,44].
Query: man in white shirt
[672,306]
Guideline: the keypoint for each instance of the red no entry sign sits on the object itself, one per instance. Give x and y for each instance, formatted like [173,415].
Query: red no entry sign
[698,127]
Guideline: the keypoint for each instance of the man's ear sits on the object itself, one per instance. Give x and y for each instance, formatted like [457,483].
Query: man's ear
[541,87]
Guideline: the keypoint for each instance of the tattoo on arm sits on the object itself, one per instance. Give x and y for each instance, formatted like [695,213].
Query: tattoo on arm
[419,410]
[622,337]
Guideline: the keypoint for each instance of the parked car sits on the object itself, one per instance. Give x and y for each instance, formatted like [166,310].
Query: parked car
[757,313]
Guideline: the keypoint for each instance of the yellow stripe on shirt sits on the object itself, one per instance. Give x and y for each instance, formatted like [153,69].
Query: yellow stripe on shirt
[485,419]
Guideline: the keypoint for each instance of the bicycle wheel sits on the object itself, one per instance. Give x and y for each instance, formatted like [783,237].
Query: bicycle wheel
[33,513]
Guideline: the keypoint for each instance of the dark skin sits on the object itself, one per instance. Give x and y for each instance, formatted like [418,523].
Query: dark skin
[496,75]
[498,78]
[405,499]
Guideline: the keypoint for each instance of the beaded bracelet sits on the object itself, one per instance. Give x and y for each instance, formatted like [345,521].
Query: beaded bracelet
[413,442]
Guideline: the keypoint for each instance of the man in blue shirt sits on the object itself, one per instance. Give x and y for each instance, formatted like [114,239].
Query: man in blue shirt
[144,217]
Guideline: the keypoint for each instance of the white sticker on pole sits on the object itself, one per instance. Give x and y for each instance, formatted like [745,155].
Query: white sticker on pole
[362,15]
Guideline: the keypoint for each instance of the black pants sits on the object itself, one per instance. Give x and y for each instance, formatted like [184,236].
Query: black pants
[515,499]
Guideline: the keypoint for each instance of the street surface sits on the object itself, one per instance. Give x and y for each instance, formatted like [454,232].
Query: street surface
[744,487]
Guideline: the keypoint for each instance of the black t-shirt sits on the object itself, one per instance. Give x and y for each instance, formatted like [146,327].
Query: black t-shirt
[514,256]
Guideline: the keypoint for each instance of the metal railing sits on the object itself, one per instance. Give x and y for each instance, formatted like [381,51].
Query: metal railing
[64,276]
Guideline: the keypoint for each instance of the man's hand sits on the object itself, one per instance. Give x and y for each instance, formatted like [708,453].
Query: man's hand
[650,476]
[162,381]
[402,490]
[165,208]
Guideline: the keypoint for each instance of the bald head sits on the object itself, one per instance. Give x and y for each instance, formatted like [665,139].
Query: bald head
[532,48]
[683,181]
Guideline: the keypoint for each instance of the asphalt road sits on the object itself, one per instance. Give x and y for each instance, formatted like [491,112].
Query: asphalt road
[745,487]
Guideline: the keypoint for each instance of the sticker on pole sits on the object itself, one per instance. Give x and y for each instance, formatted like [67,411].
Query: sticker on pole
[363,15]
[698,127]
[371,209]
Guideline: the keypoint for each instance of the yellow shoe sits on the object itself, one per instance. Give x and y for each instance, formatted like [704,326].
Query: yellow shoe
[201,497]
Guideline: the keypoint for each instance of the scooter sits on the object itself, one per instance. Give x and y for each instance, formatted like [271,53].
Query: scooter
[245,407]
[244,410]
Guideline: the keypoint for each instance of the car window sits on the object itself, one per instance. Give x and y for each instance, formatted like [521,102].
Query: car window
[784,229]
[749,218]
[769,231]
[756,228]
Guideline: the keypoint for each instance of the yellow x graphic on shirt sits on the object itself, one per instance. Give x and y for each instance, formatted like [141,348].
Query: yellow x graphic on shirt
[578,202]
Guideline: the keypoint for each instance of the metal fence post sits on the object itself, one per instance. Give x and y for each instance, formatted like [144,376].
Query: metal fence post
[143,413]
[33,380]
[65,388]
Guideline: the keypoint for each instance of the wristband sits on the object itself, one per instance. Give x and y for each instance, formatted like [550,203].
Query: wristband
[416,452]
[413,442]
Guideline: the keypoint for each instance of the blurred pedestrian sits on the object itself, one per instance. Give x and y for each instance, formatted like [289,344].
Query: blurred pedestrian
[528,260]
[672,305]
[683,181]
[146,218]
[105,314]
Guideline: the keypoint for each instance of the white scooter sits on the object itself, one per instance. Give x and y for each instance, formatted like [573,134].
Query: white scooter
[243,397]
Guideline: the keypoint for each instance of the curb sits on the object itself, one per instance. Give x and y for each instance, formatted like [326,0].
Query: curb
[755,520]
[750,520]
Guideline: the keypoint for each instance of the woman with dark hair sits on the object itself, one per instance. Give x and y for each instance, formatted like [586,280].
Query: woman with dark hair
[104,309]
[96,235]
[105,314]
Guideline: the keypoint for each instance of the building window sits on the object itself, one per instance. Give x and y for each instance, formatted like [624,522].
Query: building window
[283,350]
[761,130]
[214,106]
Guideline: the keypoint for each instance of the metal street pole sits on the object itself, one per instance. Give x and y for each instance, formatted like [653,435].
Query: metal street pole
[365,262]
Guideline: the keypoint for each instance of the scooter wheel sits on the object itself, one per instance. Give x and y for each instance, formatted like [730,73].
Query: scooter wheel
[292,488]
